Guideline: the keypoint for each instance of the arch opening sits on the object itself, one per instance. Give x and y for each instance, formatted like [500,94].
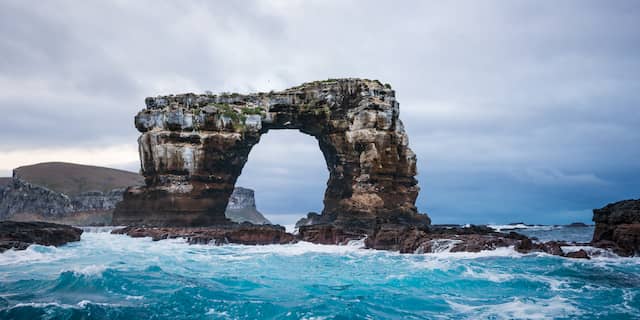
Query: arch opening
[289,175]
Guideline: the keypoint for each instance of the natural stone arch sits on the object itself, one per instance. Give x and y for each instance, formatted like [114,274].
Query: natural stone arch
[193,148]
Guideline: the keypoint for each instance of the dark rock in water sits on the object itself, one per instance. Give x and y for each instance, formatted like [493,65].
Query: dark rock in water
[577,225]
[245,233]
[551,247]
[19,235]
[618,223]
[410,239]
[580,254]
[242,207]
[193,148]
[311,218]
[327,234]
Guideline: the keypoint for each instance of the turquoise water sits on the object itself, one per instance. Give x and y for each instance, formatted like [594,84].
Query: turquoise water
[108,276]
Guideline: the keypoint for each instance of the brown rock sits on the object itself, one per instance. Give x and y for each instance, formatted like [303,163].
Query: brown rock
[19,235]
[327,234]
[580,254]
[551,247]
[525,246]
[238,233]
[193,148]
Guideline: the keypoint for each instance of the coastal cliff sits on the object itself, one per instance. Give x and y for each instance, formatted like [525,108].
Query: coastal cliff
[193,148]
[23,201]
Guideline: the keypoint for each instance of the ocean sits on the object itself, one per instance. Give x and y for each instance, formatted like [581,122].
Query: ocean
[107,276]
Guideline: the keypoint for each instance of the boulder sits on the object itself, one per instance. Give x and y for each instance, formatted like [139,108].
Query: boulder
[19,235]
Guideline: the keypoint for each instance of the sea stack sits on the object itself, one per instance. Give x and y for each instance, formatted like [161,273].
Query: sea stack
[193,148]
[618,226]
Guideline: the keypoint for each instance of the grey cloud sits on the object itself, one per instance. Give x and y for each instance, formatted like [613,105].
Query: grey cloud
[497,96]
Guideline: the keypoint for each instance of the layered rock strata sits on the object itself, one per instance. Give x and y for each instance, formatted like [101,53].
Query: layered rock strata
[242,207]
[20,235]
[193,148]
[618,227]
[21,197]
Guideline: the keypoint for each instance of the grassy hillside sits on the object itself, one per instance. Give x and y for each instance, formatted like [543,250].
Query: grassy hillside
[72,179]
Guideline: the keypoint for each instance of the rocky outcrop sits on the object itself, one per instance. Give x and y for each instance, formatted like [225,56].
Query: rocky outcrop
[311,218]
[242,207]
[248,234]
[19,235]
[24,201]
[433,239]
[618,227]
[20,197]
[193,148]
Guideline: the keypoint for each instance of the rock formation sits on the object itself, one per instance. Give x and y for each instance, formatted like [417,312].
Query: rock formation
[22,200]
[65,193]
[242,207]
[20,197]
[19,235]
[618,227]
[245,233]
[193,148]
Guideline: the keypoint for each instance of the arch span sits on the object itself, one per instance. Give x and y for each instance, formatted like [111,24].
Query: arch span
[193,148]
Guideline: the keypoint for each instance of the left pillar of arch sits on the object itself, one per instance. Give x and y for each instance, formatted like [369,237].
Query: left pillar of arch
[189,177]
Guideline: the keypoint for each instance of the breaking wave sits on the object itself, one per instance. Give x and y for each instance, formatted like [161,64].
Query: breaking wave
[107,276]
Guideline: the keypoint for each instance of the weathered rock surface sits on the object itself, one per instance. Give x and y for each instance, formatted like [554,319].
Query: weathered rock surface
[193,148]
[64,192]
[411,239]
[21,199]
[618,227]
[242,207]
[19,235]
[246,233]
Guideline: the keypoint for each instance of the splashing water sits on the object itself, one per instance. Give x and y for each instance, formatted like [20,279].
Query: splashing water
[108,276]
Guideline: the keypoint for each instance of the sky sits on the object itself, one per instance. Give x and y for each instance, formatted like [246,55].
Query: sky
[517,110]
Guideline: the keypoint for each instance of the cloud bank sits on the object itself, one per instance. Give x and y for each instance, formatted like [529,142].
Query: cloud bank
[516,110]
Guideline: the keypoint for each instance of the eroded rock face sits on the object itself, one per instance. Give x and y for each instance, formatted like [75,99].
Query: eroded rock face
[242,207]
[19,235]
[618,227]
[20,197]
[193,148]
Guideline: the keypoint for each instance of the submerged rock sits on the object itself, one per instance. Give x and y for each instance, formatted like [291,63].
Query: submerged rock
[618,227]
[193,148]
[19,235]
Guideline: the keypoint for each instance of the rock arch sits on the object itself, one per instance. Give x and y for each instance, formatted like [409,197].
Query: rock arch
[193,148]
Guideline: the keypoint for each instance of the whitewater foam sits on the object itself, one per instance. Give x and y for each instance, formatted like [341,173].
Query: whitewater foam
[519,308]
[117,274]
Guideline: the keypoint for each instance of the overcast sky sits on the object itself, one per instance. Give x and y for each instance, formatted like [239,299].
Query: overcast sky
[517,110]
